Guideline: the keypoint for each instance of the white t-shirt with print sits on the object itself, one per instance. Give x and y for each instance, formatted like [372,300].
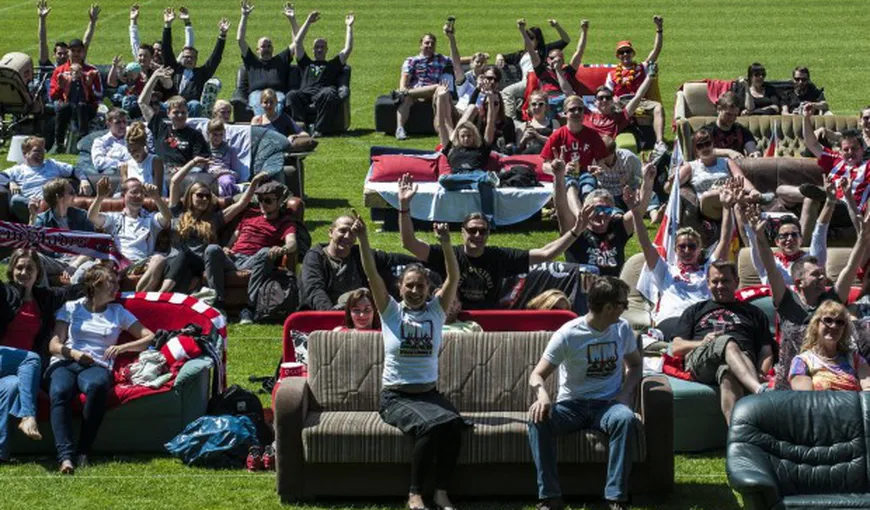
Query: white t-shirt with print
[412,339]
[680,290]
[590,361]
[93,333]
[135,237]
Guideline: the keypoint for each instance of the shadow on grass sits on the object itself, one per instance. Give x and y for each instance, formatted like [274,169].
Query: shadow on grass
[327,203]
[355,133]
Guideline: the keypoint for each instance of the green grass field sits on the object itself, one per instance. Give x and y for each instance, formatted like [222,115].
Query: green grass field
[702,38]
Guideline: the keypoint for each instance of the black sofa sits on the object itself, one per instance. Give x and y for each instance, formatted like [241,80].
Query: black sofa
[801,449]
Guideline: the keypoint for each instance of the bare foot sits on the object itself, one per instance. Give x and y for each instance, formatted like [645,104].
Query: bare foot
[415,502]
[442,501]
[67,468]
[28,426]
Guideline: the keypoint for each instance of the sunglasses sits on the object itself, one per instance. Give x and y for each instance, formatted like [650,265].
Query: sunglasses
[267,200]
[625,52]
[576,109]
[763,75]
[833,322]
[687,246]
[800,79]
[488,77]
[604,98]
[477,231]
[703,145]
[603,209]
[202,195]
[787,235]
[535,105]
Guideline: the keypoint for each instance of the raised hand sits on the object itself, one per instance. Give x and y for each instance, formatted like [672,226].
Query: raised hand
[658,20]
[442,231]
[649,172]
[845,185]
[358,227]
[184,14]
[584,24]
[165,72]
[104,188]
[247,8]
[223,26]
[151,191]
[521,23]
[42,8]
[552,22]
[117,61]
[349,19]
[752,213]
[168,15]
[313,16]
[630,197]
[289,11]
[583,218]
[407,189]
[94,13]
[727,196]
[134,13]
[449,29]
[831,188]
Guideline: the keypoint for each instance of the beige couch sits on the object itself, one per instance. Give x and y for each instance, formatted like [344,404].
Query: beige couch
[332,442]
[837,259]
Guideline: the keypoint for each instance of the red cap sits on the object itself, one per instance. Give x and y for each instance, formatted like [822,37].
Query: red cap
[624,44]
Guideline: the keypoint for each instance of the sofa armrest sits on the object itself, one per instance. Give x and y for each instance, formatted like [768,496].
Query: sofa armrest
[191,369]
[681,109]
[291,409]
[751,474]
[656,407]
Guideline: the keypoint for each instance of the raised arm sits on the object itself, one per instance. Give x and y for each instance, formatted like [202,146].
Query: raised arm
[376,283]
[145,96]
[93,15]
[646,190]
[632,105]
[42,10]
[856,259]
[290,14]
[845,185]
[752,214]
[491,118]
[299,40]
[407,190]
[557,247]
[169,59]
[810,139]
[528,44]
[728,196]
[345,52]
[447,292]
[178,179]
[234,209]
[114,72]
[184,14]
[246,9]
[134,30]
[104,189]
[217,54]
[650,254]
[577,57]
[564,214]
[153,192]
[563,35]
[657,45]
[458,75]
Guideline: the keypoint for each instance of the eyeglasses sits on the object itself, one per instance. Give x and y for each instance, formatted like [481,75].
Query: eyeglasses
[576,109]
[267,200]
[604,98]
[833,322]
[763,75]
[703,145]
[800,79]
[202,195]
[687,246]
[535,105]
[625,51]
[477,231]
[787,235]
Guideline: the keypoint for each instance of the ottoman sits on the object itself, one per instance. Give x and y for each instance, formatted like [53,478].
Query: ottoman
[698,421]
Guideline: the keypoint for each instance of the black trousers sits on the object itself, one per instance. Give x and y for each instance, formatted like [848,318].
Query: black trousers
[83,113]
[326,102]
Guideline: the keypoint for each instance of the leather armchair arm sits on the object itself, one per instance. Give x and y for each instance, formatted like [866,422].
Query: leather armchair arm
[751,474]
[656,408]
[291,409]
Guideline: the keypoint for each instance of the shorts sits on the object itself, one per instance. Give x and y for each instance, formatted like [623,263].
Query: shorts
[707,361]
[644,107]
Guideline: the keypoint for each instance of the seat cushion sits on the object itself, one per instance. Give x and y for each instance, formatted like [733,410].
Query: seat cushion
[497,437]
[814,501]
[698,421]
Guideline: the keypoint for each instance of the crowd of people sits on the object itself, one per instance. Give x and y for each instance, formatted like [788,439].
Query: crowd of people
[61,313]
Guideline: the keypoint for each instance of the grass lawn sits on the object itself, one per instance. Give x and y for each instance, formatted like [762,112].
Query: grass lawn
[703,38]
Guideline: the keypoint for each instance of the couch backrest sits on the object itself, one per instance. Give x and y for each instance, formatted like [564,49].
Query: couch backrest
[696,102]
[478,371]
[638,311]
[814,441]
[789,128]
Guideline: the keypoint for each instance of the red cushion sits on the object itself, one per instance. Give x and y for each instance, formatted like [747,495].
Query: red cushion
[180,348]
[390,167]
[518,320]
[592,77]
[307,322]
[532,160]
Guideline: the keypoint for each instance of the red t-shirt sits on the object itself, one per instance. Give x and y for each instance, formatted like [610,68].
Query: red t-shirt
[628,84]
[585,146]
[833,164]
[607,125]
[21,332]
[257,232]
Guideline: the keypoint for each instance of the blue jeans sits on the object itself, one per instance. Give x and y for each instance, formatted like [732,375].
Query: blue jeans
[474,179]
[68,379]
[194,109]
[19,383]
[611,417]
[254,102]
[585,183]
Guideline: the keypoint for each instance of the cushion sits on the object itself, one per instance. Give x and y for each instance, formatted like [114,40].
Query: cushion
[531,160]
[497,437]
[180,348]
[698,420]
[390,167]
[592,77]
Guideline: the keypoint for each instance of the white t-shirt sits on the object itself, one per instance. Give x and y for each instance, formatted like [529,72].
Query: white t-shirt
[679,290]
[31,179]
[93,333]
[818,249]
[135,237]
[590,361]
[704,177]
[412,339]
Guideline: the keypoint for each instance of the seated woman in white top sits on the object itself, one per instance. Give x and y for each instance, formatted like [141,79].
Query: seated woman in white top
[412,338]
[708,172]
[83,349]
[684,282]
[142,165]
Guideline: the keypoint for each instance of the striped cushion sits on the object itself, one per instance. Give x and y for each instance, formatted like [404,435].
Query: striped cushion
[497,437]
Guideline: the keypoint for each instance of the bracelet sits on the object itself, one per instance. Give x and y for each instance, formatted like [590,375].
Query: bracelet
[404,211]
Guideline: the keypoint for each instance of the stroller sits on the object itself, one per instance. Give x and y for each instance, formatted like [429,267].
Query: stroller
[19,109]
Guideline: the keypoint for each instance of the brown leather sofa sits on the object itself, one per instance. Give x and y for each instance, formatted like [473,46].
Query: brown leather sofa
[332,442]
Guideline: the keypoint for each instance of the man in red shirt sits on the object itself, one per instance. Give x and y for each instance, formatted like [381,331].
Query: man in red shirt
[625,81]
[260,241]
[609,120]
[78,90]
[579,148]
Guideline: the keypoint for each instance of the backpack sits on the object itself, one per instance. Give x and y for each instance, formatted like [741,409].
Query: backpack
[277,298]
[238,401]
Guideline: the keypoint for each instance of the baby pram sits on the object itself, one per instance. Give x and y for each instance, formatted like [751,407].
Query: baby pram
[18,107]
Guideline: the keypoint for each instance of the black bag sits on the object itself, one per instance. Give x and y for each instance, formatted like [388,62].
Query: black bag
[277,298]
[518,176]
[238,401]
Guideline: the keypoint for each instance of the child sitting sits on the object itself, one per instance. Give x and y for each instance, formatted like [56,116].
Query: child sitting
[143,165]
[224,161]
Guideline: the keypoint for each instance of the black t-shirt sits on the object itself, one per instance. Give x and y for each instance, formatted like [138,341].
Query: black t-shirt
[283,124]
[269,74]
[605,251]
[176,147]
[743,321]
[812,94]
[794,317]
[735,138]
[480,278]
[464,159]
[543,50]
[320,73]
[771,97]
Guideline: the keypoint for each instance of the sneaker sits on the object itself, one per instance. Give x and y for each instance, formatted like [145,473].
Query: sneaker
[812,191]
[661,147]
[550,504]
[209,95]
[401,134]
[269,458]
[617,505]
[492,179]
[245,317]
[255,459]
[82,461]
[316,134]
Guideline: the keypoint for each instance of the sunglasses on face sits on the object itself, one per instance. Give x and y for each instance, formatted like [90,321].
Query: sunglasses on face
[576,109]
[202,195]
[800,80]
[536,105]
[763,75]
[604,209]
[833,322]
[267,200]
[703,145]
[624,52]
[604,98]
[687,246]
[787,235]
[477,231]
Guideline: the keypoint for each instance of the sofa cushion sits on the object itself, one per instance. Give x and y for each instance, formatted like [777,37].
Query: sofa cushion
[390,167]
[497,437]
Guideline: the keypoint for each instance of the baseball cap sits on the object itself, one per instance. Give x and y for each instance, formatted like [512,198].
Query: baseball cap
[624,44]
[271,187]
[76,43]
[133,67]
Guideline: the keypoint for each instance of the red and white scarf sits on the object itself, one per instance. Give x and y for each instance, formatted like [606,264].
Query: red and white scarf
[59,240]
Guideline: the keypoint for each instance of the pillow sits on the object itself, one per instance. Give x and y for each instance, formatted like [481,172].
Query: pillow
[531,160]
[180,348]
[390,167]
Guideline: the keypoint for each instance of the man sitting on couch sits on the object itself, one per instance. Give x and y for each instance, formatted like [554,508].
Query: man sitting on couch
[725,341]
[730,138]
[110,150]
[331,271]
[59,195]
[592,353]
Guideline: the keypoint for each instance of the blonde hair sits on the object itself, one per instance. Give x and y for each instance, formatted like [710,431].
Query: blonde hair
[547,300]
[30,142]
[215,124]
[268,94]
[690,232]
[188,223]
[596,194]
[175,102]
[475,134]
[136,134]
[827,309]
